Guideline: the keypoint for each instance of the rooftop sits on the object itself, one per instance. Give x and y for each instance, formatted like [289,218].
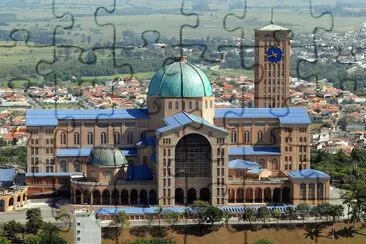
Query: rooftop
[308,173]
[249,150]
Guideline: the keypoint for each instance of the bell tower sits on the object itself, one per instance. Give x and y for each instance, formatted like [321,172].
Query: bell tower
[272,72]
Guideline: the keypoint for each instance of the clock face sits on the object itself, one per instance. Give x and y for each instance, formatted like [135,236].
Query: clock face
[274,54]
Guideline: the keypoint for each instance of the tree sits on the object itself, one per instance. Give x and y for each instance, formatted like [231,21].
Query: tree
[64,216]
[3,240]
[263,213]
[302,210]
[49,234]
[171,217]
[11,229]
[276,214]
[34,220]
[120,220]
[335,211]
[204,212]
[249,215]
[31,239]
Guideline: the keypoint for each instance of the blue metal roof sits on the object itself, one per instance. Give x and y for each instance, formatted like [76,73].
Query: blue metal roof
[182,119]
[52,174]
[154,210]
[308,174]
[149,141]
[139,172]
[129,152]
[7,174]
[242,164]
[249,150]
[73,152]
[286,116]
[85,152]
[50,117]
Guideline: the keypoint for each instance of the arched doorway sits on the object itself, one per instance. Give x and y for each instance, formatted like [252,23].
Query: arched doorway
[19,199]
[286,195]
[191,196]
[277,195]
[124,197]
[267,194]
[205,195]
[258,194]
[115,197]
[134,197]
[86,197]
[2,206]
[249,195]
[193,156]
[179,196]
[77,197]
[96,197]
[143,197]
[240,195]
[152,197]
[11,202]
[105,197]
[231,195]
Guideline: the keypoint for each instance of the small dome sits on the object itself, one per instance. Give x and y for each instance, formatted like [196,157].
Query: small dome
[180,79]
[107,155]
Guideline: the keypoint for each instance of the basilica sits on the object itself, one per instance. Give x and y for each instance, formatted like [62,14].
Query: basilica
[180,148]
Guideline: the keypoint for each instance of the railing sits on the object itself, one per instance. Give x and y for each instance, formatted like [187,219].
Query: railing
[257,181]
[120,182]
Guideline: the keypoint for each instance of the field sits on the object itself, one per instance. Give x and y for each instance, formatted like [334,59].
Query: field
[278,236]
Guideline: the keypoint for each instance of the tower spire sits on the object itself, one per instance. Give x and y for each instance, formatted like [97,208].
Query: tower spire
[271,15]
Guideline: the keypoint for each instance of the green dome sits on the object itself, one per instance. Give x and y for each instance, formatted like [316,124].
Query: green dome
[180,79]
[107,155]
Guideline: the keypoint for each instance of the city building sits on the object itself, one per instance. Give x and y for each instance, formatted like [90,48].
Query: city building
[180,148]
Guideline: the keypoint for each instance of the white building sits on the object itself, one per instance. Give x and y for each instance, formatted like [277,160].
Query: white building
[86,228]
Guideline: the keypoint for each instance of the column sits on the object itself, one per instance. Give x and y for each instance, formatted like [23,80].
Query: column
[234,195]
[82,198]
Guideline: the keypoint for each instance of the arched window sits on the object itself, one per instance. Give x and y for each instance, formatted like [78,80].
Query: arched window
[77,166]
[273,136]
[183,105]
[303,192]
[211,104]
[206,104]
[275,164]
[260,136]
[116,138]
[290,158]
[286,158]
[90,138]
[47,141]
[190,104]
[176,105]
[63,138]
[320,191]
[170,105]
[76,138]
[197,105]
[311,191]
[103,138]
[246,137]
[233,136]
[144,160]
[130,137]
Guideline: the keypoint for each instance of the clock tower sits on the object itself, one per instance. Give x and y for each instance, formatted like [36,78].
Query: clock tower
[273,62]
